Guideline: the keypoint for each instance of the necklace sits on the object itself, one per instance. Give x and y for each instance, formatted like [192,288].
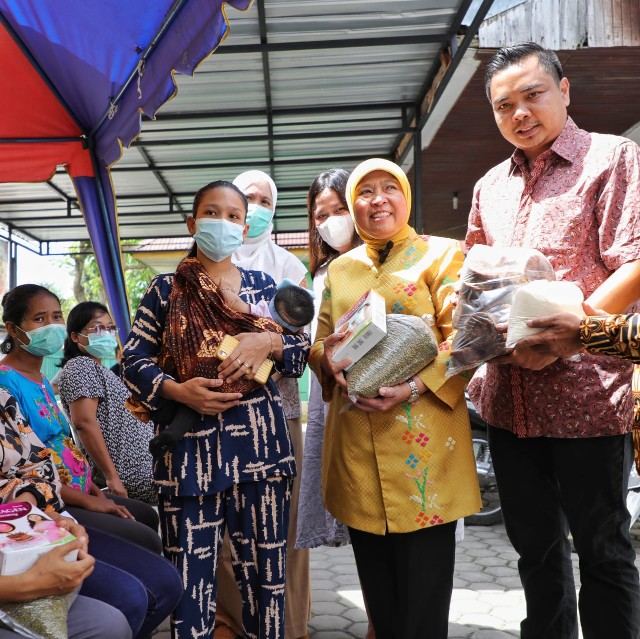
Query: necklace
[219,278]
[233,269]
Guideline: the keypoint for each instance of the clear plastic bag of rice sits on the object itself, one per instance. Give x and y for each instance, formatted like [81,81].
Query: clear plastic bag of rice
[490,277]
[539,299]
[409,345]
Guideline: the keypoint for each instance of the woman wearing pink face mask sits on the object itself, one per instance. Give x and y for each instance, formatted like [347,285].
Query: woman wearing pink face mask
[331,233]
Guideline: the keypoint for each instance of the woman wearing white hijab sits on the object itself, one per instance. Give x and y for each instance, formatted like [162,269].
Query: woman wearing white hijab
[259,252]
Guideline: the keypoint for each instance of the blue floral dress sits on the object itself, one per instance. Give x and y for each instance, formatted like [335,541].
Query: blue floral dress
[25,463]
[40,411]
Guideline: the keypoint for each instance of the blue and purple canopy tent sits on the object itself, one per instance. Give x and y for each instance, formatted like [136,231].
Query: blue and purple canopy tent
[76,78]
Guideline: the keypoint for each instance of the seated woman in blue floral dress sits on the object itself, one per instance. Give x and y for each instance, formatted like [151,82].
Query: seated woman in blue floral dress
[126,590]
[235,469]
[35,328]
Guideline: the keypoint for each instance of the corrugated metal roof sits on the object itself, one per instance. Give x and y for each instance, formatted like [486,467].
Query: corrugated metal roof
[296,88]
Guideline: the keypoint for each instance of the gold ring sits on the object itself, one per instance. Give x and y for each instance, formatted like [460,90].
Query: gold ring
[239,362]
[247,367]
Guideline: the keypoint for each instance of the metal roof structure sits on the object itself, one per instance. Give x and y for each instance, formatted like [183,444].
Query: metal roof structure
[299,86]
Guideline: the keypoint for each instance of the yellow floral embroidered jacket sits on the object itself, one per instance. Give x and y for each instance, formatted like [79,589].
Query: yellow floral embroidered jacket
[413,465]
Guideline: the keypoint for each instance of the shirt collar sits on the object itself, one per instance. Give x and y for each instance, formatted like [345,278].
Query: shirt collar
[565,146]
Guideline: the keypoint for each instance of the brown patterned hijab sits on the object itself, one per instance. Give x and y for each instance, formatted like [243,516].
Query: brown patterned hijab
[197,321]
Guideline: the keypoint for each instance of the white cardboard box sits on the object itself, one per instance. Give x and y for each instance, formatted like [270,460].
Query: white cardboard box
[365,324]
[25,534]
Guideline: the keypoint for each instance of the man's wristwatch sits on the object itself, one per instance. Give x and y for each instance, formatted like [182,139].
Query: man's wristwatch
[414,390]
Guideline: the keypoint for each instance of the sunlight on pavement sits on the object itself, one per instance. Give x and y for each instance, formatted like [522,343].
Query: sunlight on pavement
[354,597]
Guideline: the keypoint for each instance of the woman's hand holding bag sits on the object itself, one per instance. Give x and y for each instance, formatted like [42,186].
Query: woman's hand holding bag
[335,369]
[388,397]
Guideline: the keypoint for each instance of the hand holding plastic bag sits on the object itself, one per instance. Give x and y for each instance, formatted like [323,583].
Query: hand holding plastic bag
[489,279]
[540,299]
[409,345]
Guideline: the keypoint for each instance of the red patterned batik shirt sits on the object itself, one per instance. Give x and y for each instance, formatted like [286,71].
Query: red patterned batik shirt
[579,206]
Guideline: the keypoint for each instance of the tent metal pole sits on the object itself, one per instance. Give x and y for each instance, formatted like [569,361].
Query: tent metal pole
[347,43]
[38,140]
[418,213]
[114,251]
[281,111]
[456,57]
[13,260]
[266,81]
[177,6]
[470,34]
[311,135]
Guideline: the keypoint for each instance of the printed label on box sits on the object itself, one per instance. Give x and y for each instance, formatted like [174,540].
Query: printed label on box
[365,324]
[25,534]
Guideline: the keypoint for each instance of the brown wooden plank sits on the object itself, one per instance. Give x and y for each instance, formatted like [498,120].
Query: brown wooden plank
[605,93]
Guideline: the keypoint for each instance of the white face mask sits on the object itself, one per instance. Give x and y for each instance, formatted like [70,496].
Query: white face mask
[337,230]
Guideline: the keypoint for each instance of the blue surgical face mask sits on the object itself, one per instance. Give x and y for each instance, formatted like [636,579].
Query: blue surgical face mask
[218,239]
[100,346]
[258,219]
[44,340]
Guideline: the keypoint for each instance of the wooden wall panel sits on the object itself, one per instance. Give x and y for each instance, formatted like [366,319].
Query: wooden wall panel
[613,23]
[565,24]
[556,24]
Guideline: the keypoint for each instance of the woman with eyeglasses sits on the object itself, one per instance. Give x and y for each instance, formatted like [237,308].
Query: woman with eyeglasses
[36,328]
[93,399]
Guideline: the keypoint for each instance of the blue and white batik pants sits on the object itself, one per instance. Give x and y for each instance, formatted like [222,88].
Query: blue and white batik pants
[256,515]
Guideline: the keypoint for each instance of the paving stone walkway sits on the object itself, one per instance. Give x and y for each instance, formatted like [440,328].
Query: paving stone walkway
[487,599]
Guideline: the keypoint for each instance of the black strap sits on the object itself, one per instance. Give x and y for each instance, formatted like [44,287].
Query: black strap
[384,252]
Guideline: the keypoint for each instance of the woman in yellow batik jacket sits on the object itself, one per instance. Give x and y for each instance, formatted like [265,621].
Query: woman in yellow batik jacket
[398,469]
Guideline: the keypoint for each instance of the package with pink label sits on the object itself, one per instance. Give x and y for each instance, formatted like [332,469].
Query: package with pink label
[26,533]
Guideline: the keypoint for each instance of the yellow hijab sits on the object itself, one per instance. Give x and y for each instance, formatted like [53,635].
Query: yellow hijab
[376,246]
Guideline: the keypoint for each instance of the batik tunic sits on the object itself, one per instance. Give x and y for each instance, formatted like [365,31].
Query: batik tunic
[617,335]
[248,442]
[411,466]
[578,205]
[26,464]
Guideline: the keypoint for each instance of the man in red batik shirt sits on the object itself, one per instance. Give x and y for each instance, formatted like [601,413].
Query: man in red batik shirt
[560,430]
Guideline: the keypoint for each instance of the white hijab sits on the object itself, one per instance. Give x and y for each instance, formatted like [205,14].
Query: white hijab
[262,253]
[246,179]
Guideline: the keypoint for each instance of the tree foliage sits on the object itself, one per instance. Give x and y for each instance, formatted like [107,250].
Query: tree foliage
[87,282]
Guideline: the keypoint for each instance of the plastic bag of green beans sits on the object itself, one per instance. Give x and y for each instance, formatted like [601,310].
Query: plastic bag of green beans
[44,618]
[409,345]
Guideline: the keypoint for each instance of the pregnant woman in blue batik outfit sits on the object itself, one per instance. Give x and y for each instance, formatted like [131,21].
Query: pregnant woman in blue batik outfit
[236,468]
